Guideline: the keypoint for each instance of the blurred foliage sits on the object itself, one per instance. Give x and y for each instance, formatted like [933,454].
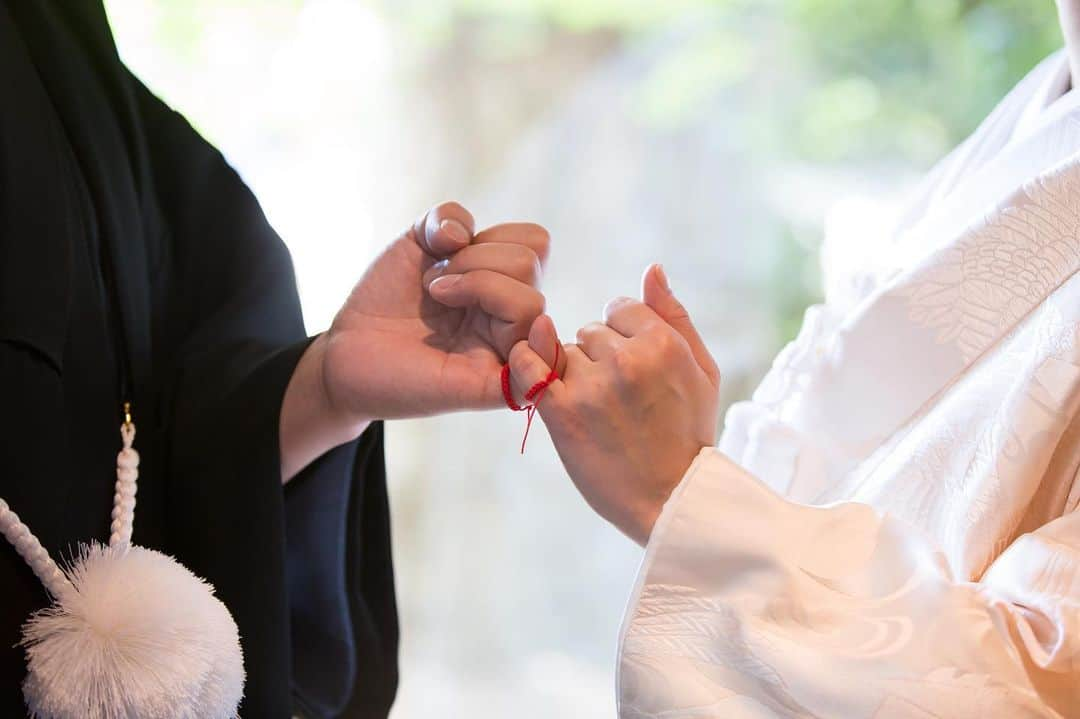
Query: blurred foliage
[912,77]
[846,80]
[866,84]
[858,83]
[896,80]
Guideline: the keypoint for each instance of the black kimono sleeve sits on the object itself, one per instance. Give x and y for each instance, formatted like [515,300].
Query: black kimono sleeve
[305,570]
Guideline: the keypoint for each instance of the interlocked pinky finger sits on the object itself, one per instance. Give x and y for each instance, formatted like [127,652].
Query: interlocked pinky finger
[527,369]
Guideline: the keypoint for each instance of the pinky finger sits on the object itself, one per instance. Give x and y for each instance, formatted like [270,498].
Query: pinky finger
[544,341]
[527,368]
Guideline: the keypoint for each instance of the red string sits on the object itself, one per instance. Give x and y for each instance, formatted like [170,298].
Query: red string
[532,396]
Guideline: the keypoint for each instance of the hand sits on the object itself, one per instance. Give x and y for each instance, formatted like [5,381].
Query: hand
[425,330]
[429,325]
[637,401]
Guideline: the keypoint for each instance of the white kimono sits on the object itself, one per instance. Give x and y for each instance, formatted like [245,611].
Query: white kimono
[889,528]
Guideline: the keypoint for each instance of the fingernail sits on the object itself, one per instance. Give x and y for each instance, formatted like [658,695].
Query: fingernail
[445,282]
[435,271]
[612,305]
[662,276]
[455,231]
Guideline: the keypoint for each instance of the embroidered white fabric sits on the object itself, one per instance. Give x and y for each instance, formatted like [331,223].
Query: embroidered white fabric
[889,527]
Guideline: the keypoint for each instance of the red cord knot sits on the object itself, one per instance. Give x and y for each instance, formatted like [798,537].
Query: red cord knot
[532,396]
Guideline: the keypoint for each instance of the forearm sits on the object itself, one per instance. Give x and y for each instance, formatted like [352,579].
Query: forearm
[310,425]
[738,578]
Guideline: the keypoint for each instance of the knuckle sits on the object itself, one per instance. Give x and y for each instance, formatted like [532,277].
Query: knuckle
[587,331]
[674,352]
[628,367]
[666,345]
[617,306]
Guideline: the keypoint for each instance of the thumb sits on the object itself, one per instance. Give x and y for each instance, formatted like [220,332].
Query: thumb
[656,293]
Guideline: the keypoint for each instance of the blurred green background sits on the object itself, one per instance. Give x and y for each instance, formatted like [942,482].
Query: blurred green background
[724,138]
[887,84]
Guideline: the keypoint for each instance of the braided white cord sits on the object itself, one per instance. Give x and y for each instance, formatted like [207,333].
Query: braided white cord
[123,518]
[127,472]
[30,549]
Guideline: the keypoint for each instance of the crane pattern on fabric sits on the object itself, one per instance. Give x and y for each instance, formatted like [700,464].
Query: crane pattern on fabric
[891,526]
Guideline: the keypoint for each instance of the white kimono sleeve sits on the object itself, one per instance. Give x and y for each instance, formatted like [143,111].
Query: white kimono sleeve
[749,605]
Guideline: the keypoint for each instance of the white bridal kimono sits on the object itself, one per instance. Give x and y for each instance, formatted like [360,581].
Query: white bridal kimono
[889,528]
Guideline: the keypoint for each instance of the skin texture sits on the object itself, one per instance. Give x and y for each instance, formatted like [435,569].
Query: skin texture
[425,331]
[636,402]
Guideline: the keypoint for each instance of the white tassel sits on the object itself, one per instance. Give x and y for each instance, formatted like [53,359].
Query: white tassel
[137,636]
[132,633]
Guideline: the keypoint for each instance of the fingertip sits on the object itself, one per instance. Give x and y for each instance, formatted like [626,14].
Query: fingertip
[447,228]
[434,272]
[443,285]
[655,277]
[654,285]
[544,340]
[527,368]
[542,331]
[446,238]
[543,337]
[542,246]
[454,233]
[454,211]
[614,304]
[661,276]
[650,269]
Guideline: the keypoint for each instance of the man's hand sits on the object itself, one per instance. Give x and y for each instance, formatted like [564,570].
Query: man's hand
[637,401]
[430,323]
[425,330]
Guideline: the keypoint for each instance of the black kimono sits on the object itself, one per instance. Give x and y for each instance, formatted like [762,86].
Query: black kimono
[135,265]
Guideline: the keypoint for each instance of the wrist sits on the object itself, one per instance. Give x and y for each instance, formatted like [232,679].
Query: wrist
[642,521]
[338,418]
[311,422]
[649,509]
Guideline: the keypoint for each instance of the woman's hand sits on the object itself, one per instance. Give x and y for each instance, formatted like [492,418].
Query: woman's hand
[637,401]
[425,330]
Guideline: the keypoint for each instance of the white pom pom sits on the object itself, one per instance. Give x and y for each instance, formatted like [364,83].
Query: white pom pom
[140,636]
